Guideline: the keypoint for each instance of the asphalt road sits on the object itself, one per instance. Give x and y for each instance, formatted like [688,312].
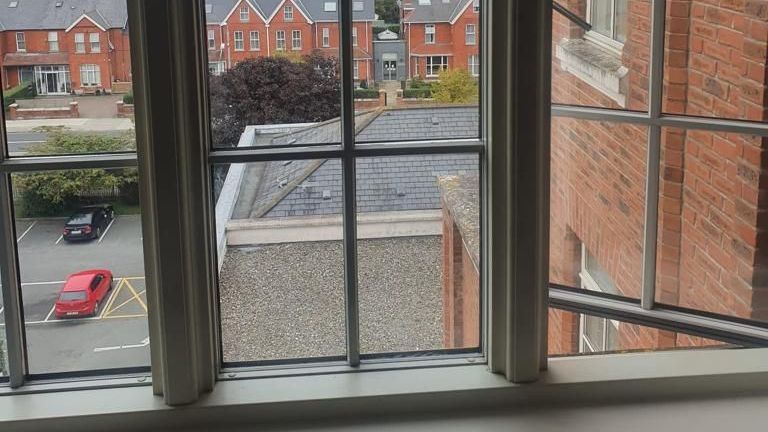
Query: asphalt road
[19,142]
[118,337]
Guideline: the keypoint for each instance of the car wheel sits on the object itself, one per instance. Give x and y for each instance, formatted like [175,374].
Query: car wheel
[98,232]
[96,309]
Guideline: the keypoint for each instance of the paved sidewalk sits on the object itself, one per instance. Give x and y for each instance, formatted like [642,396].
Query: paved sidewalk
[76,125]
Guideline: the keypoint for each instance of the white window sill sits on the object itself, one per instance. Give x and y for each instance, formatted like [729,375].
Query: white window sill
[596,65]
[573,380]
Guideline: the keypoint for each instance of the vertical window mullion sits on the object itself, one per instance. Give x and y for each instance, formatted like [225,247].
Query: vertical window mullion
[349,184]
[653,161]
[15,345]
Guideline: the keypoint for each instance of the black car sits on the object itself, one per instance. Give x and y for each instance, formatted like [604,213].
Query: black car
[88,222]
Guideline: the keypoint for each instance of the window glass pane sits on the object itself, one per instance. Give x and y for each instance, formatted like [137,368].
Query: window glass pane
[568,332]
[45,89]
[276,302]
[82,270]
[285,79]
[607,66]
[429,72]
[715,60]
[600,16]
[713,247]
[419,252]
[597,192]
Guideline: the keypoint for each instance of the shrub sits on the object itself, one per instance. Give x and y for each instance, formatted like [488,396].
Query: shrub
[22,91]
[419,84]
[51,193]
[455,86]
[417,93]
[363,84]
[363,93]
[128,99]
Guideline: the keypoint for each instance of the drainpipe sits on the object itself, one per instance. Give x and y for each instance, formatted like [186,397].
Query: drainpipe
[268,44]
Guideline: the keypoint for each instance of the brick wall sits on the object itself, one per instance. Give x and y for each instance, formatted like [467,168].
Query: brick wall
[69,111]
[461,289]
[713,202]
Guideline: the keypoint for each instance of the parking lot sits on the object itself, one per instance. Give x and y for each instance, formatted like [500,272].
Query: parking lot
[118,336]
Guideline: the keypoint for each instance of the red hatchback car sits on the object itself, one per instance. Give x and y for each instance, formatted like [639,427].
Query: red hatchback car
[83,293]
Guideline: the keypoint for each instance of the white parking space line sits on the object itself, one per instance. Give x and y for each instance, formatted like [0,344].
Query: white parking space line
[42,283]
[60,238]
[142,344]
[47,317]
[27,231]
[2,308]
[104,234]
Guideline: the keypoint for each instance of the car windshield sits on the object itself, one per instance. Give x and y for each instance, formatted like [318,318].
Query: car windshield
[72,295]
[80,218]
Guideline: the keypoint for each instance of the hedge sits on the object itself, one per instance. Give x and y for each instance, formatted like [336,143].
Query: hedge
[128,99]
[22,91]
[417,93]
[366,94]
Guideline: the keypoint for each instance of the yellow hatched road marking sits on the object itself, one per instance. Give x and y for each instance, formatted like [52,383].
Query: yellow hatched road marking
[107,310]
[136,296]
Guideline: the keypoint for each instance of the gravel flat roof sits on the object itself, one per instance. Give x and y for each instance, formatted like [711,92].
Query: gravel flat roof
[287,301]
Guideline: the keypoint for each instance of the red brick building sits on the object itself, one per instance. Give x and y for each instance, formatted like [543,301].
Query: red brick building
[64,47]
[241,29]
[713,202]
[441,34]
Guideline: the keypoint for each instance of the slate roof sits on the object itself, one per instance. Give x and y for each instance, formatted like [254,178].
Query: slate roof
[309,188]
[44,15]
[437,11]
[315,9]
[218,10]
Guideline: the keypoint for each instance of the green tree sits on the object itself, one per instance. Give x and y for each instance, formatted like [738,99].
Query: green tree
[388,11]
[455,86]
[51,193]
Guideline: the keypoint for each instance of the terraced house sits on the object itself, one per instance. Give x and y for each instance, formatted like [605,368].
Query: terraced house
[64,46]
[242,29]
[441,34]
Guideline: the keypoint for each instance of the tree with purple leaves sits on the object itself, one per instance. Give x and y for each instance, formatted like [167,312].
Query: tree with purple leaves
[273,90]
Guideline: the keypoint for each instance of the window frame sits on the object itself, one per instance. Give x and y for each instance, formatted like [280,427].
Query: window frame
[598,38]
[211,37]
[251,39]
[245,13]
[430,34]
[94,42]
[51,42]
[288,13]
[79,44]
[278,45]
[326,37]
[185,366]
[92,71]
[354,36]
[238,43]
[473,64]
[294,39]
[473,39]
[430,65]
[21,42]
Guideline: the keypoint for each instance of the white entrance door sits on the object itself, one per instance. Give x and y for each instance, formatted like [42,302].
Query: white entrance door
[52,80]
[390,66]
